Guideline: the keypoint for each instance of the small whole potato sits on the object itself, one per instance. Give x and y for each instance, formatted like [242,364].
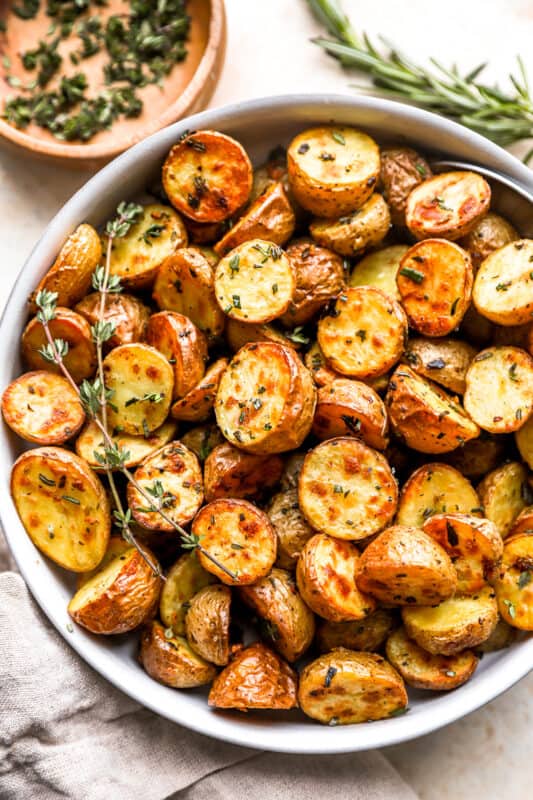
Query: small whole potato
[207,623]
[354,233]
[402,168]
[292,529]
[319,274]
[490,233]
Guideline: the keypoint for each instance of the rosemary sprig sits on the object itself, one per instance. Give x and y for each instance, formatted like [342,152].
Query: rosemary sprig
[504,117]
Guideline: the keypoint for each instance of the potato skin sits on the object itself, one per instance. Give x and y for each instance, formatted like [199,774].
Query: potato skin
[171,661]
[502,494]
[184,580]
[501,637]
[433,489]
[523,523]
[126,313]
[197,404]
[238,333]
[367,634]
[319,277]
[502,288]
[488,235]
[180,341]
[422,670]
[292,529]
[444,361]
[402,169]
[72,328]
[316,363]
[355,233]
[230,472]
[207,623]
[514,587]
[351,408]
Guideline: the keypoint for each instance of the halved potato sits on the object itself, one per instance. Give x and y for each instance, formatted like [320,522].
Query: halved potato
[498,395]
[170,660]
[42,408]
[202,439]
[443,360]
[379,269]
[491,233]
[503,289]
[404,566]
[354,233]
[402,169]
[292,529]
[230,472]
[326,576]
[63,507]
[523,523]
[351,408]
[237,334]
[207,623]
[514,585]
[126,313]
[344,687]
[448,205]
[183,345]
[503,493]
[319,277]
[71,328]
[184,580]
[478,456]
[91,447]
[457,623]
[239,536]
[116,546]
[198,403]
[347,489]
[435,489]
[501,637]
[207,176]
[423,670]
[316,363]
[366,634]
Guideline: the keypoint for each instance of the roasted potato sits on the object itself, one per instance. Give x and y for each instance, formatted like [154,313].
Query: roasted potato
[207,623]
[367,634]
[202,439]
[444,361]
[183,345]
[503,289]
[317,365]
[169,659]
[402,170]
[230,472]
[273,170]
[292,529]
[491,233]
[346,489]
[379,269]
[184,580]
[126,313]
[237,334]
[344,687]
[353,234]
[351,408]
[63,507]
[435,489]
[501,637]
[291,471]
[197,404]
[423,670]
[478,456]
[448,205]
[69,327]
[514,586]
[503,493]
[523,523]
[91,447]
[255,678]
[116,546]
[319,275]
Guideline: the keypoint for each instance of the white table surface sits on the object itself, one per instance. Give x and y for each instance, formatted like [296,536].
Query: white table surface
[488,753]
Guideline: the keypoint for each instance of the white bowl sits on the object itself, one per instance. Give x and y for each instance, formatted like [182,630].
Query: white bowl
[259,125]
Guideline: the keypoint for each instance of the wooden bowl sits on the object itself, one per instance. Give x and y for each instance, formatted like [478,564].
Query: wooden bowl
[186,90]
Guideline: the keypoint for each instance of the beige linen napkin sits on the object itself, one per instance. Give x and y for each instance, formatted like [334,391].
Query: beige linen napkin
[66,733]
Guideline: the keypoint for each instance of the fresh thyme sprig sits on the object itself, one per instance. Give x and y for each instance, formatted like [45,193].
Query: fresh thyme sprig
[504,117]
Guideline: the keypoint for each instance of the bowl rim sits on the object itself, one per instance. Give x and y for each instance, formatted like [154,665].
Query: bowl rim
[256,733]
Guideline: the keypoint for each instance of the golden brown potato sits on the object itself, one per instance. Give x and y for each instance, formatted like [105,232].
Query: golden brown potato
[183,345]
[514,585]
[353,234]
[344,687]
[523,523]
[207,176]
[42,408]
[478,456]
[332,170]
[425,416]
[266,399]
[207,623]
[202,439]
[184,580]
[197,404]
[347,489]
[125,312]
[120,597]
[448,205]
[230,472]
[351,408]
[319,275]
[241,539]
[292,529]
[422,670]
[498,394]
[379,269]
[317,365]
[488,235]
[503,494]
[70,327]
[170,660]
[255,678]
[435,284]
[289,625]
[63,507]
[402,170]
[501,637]
[366,634]
[404,566]
[503,290]
[90,444]
[116,546]
[237,334]
[435,489]
[274,170]
[365,333]
[457,623]
[443,360]
[326,576]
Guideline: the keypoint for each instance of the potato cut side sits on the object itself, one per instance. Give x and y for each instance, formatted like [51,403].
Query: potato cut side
[142,382]
[366,634]
[292,529]
[70,327]
[198,403]
[230,472]
[504,494]
[345,687]
[172,479]
[365,333]
[346,489]
[207,623]
[126,313]
[514,586]
[116,546]
[444,361]
[183,345]
[435,489]
[170,659]
[237,334]
[503,289]
[351,408]
[402,169]
[183,581]
[42,408]
[319,277]
[241,539]
[379,269]
[353,234]
[63,507]
[316,363]
[491,233]
[91,447]
[422,670]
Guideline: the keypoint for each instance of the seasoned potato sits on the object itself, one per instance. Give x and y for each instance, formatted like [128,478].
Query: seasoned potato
[266,399]
[170,660]
[357,232]
[364,335]
[116,546]
[488,235]
[443,360]
[448,205]
[326,573]
[351,408]
[202,439]
[523,523]
[42,408]
[317,365]
[457,623]
[292,529]
[254,282]
[379,269]
[402,169]
[71,328]
[344,687]
[237,334]
[478,456]
[142,383]
[204,234]
[435,489]
[63,507]
[347,489]
[503,289]
[366,634]
[198,403]
[435,285]
[207,176]
[207,623]
[255,678]
[70,274]
[404,566]
[230,472]
[172,477]
[136,257]
[183,345]
[474,545]
[120,597]
[422,670]
[185,283]
[125,312]
[291,471]
[332,170]
[425,416]
[239,536]
[501,637]
[184,580]
[319,275]
[90,443]
[514,585]
[270,217]
[289,624]
[503,494]
[499,396]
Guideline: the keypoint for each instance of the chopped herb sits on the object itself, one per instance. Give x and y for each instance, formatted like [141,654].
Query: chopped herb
[524,578]
[302,150]
[352,423]
[339,138]
[326,157]
[483,356]
[261,389]
[361,334]
[437,363]
[512,373]
[330,674]
[236,301]
[236,546]
[510,608]
[297,336]
[338,489]
[421,170]
[267,426]
[70,499]
[45,480]
[257,403]
[502,287]
[412,274]
[234,263]
[153,232]
[454,306]
[274,288]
